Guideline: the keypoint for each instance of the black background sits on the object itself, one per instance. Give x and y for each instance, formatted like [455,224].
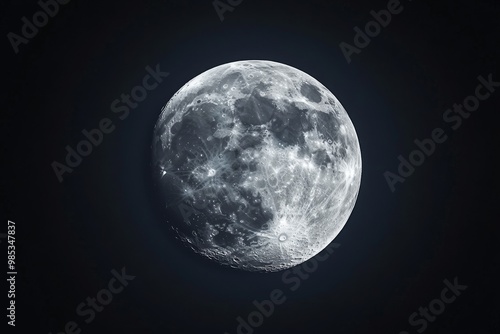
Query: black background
[396,249]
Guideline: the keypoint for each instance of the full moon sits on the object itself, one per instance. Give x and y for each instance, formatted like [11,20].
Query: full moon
[258,165]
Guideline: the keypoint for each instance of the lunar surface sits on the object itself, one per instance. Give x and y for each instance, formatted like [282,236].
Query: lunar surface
[258,164]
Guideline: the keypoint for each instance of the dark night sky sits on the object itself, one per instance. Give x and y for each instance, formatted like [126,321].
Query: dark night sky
[395,250]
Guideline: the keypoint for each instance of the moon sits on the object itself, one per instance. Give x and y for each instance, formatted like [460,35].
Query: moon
[258,165]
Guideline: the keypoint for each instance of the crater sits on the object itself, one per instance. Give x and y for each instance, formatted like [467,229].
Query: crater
[310,92]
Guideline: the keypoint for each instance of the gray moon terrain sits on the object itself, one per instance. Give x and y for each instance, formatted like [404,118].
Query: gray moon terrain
[260,162]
